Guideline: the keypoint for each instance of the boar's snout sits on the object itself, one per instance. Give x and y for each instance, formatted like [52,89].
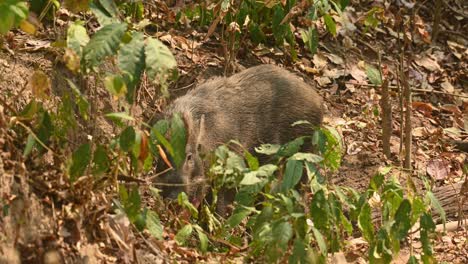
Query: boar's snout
[170,185]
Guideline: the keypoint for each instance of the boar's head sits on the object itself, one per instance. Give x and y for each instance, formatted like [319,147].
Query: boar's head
[189,176]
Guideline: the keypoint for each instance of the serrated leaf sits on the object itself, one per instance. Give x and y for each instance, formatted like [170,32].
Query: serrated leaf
[178,139]
[282,232]
[319,210]
[292,174]
[251,160]
[104,43]
[402,220]
[310,157]
[299,252]
[110,7]
[291,147]
[157,136]
[373,74]
[154,225]
[330,24]
[120,116]
[81,101]
[183,200]
[11,14]
[254,177]
[131,61]
[159,58]
[436,204]
[365,223]
[310,38]
[101,161]
[127,139]
[30,142]
[320,241]
[183,234]
[77,37]
[133,204]
[236,218]
[103,17]
[267,149]
[202,237]
[80,161]
[116,85]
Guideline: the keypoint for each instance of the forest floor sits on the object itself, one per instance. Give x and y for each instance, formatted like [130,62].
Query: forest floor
[43,223]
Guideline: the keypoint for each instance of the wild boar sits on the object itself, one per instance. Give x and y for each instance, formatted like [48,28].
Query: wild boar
[255,106]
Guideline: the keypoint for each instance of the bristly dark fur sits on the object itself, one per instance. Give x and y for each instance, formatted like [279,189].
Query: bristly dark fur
[255,106]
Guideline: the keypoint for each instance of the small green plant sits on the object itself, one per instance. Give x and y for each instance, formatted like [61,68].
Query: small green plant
[12,13]
[130,152]
[284,223]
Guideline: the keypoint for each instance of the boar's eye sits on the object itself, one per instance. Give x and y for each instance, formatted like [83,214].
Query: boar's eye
[189,157]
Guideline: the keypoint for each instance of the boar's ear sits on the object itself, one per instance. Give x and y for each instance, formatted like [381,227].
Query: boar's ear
[201,132]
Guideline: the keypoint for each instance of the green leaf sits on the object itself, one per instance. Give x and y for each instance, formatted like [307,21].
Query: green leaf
[77,37]
[412,260]
[254,177]
[310,38]
[131,61]
[46,129]
[11,14]
[292,174]
[132,205]
[330,24]
[320,241]
[183,234]
[183,200]
[279,30]
[365,223]
[319,210]
[291,147]
[310,157]
[80,99]
[127,139]
[427,226]
[30,110]
[236,218]
[103,16]
[154,225]
[299,252]
[80,161]
[104,43]
[251,160]
[202,237]
[282,232]
[30,143]
[159,58]
[178,139]
[120,116]
[100,160]
[418,209]
[267,149]
[436,204]
[402,222]
[116,85]
[373,74]
[110,7]
[157,136]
